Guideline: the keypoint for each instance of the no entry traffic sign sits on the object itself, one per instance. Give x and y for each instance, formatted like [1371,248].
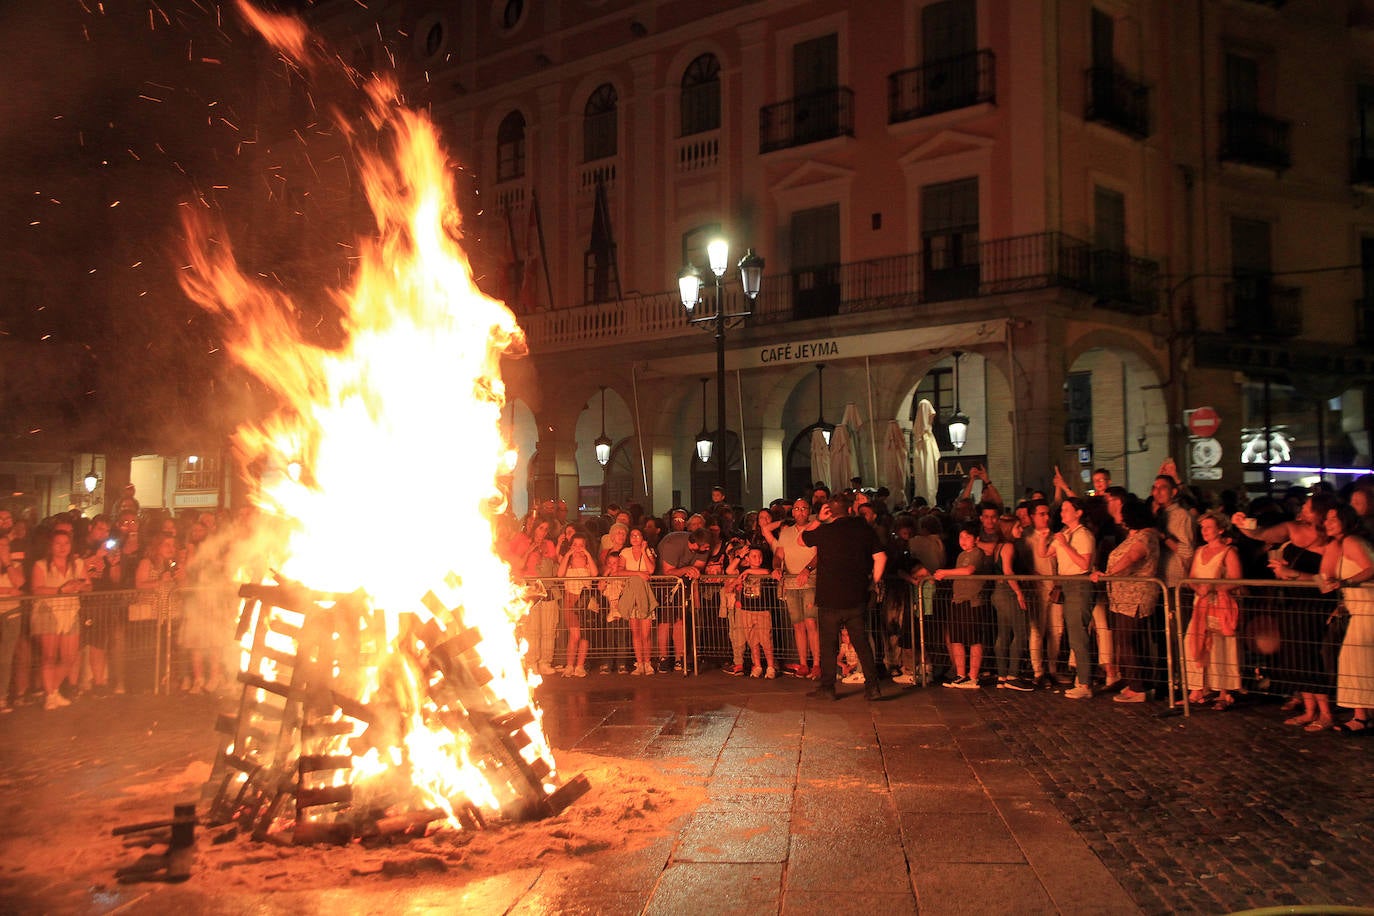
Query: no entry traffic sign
[1203,422]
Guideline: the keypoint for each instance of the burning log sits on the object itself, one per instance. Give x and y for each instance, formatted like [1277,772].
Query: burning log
[301,758]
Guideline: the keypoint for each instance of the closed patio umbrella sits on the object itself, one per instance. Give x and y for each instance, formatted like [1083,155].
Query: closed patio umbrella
[844,444]
[896,462]
[820,457]
[925,455]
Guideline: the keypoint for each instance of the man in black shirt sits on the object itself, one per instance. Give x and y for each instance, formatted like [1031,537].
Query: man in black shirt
[850,559]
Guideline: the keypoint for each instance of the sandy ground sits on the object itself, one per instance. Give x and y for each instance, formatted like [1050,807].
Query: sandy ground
[64,794]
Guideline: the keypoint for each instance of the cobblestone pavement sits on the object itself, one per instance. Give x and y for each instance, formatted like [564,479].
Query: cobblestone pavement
[1218,812]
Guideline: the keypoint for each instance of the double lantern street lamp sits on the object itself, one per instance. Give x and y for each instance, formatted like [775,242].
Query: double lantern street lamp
[689,285]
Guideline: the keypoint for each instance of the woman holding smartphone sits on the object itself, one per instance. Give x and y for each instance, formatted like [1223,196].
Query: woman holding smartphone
[58,579]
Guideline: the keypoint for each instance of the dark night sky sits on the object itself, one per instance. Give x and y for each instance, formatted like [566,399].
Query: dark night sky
[117,115]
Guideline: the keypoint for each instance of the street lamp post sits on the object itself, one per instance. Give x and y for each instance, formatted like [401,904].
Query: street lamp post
[689,286]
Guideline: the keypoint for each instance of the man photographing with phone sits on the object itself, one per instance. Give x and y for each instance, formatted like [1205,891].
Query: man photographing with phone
[850,560]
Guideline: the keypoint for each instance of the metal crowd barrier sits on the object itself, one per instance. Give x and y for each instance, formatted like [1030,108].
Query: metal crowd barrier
[1285,640]
[1159,668]
[137,637]
[907,626]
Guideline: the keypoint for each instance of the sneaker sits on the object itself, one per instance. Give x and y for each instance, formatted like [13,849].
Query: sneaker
[856,678]
[770,673]
[967,683]
[1019,684]
[756,671]
[958,682]
[733,670]
[679,665]
[1063,680]
[1002,681]
[906,680]
[1080,692]
[664,666]
[55,701]
[795,670]
[1127,695]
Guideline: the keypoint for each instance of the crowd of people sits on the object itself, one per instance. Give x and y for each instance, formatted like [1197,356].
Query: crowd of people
[82,600]
[1085,618]
[1059,591]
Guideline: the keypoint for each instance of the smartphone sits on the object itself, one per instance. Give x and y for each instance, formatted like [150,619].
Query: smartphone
[111,544]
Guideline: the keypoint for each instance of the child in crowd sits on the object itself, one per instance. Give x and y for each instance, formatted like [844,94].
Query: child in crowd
[757,594]
[617,626]
[848,660]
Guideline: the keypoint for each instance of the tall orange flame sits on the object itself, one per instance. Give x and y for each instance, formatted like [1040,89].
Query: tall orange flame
[399,427]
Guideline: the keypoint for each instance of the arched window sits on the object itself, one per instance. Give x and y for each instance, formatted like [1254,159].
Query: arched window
[511,13]
[599,124]
[700,98]
[510,147]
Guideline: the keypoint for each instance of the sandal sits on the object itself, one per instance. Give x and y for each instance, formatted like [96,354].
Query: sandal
[1299,720]
[1353,727]
[1292,704]
[1317,725]
[1223,703]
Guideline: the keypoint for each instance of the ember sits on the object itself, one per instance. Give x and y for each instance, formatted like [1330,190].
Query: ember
[376,702]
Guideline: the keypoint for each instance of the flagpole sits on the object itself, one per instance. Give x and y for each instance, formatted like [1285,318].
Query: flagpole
[508,268]
[543,255]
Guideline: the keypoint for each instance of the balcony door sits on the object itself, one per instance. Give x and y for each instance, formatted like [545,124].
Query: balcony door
[1109,244]
[816,261]
[815,77]
[949,239]
[949,48]
[1252,270]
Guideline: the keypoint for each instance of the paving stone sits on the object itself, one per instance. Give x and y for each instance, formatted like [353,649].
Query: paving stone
[690,889]
[977,889]
[981,838]
[734,835]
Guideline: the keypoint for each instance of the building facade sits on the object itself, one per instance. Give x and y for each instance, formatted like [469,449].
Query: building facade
[1076,222]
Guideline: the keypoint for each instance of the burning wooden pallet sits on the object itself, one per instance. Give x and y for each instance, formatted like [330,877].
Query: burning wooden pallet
[327,701]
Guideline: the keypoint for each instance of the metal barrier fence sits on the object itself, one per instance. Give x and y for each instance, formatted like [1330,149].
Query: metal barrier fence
[908,627]
[1283,639]
[130,639]
[1047,642]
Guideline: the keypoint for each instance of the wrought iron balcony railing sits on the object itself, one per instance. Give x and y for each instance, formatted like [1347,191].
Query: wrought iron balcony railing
[1255,139]
[1256,306]
[1117,281]
[944,85]
[807,119]
[1117,100]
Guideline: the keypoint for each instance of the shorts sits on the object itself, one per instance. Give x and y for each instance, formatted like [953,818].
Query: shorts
[758,628]
[801,602]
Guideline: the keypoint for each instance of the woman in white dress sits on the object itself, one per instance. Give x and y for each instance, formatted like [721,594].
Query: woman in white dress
[1213,660]
[1348,564]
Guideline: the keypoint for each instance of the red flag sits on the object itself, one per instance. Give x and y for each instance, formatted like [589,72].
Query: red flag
[509,283]
[533,263]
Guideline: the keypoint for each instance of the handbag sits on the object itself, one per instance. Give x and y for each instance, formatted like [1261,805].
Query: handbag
[1336,626]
